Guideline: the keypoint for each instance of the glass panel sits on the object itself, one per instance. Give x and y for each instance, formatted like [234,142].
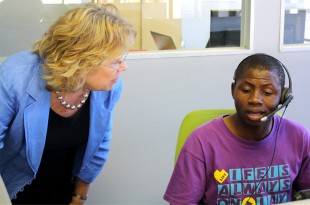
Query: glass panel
[160,24]
[18,32]
[297,22]
[189,24]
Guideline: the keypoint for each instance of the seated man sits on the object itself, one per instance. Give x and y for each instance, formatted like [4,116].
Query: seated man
[250,157]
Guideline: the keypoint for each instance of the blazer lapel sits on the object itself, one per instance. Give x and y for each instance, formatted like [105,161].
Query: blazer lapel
[99,121]
[36,120]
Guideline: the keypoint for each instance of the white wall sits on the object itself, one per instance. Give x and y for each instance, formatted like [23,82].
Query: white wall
[157,95]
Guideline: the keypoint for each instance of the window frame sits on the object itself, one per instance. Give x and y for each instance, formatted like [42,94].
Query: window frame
[246,43]
[288,47]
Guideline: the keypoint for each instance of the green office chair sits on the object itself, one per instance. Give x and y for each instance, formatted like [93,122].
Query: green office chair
[193,120]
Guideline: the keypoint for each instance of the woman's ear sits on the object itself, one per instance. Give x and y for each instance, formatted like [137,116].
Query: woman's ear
[233,84]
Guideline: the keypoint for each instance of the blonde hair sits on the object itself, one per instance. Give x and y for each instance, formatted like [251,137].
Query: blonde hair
[79,42]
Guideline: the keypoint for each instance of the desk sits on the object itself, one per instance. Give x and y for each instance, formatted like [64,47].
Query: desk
[300,202]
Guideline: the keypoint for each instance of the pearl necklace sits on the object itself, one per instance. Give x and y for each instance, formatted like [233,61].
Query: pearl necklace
[72,107]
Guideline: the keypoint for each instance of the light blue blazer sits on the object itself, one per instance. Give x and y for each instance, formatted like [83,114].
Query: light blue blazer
[24,113]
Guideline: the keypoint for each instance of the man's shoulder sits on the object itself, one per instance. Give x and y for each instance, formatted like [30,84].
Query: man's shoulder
[290,124]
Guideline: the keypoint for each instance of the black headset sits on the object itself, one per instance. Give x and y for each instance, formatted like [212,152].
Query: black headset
[287,92]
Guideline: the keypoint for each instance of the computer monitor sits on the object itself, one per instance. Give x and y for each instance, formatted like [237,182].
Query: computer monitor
[225,30]
[163,42]
[228,38]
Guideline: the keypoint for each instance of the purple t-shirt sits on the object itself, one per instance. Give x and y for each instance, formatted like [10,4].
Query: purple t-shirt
[217,167]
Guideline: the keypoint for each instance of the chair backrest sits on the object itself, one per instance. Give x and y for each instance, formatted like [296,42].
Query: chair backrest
[4,197]
[195,119]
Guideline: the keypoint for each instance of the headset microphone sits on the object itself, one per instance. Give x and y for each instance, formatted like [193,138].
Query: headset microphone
[289,99]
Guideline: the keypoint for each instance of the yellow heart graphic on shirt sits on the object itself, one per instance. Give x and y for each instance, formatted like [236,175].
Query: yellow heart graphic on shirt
[220,176]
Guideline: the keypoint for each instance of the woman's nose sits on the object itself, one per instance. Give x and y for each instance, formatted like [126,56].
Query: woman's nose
[123,66]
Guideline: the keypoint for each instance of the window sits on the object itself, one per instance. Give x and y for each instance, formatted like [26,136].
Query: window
[197,26]
[188,24]
[295,25]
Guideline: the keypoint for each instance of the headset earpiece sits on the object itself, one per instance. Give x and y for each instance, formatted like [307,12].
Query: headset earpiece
[285,95]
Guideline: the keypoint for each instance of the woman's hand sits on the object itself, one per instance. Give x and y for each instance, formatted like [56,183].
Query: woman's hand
[80,192]
[76,201]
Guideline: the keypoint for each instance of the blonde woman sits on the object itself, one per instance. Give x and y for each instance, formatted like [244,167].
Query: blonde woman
[57,106]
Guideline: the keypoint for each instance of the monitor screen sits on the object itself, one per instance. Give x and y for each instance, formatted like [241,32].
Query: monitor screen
[163,42]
